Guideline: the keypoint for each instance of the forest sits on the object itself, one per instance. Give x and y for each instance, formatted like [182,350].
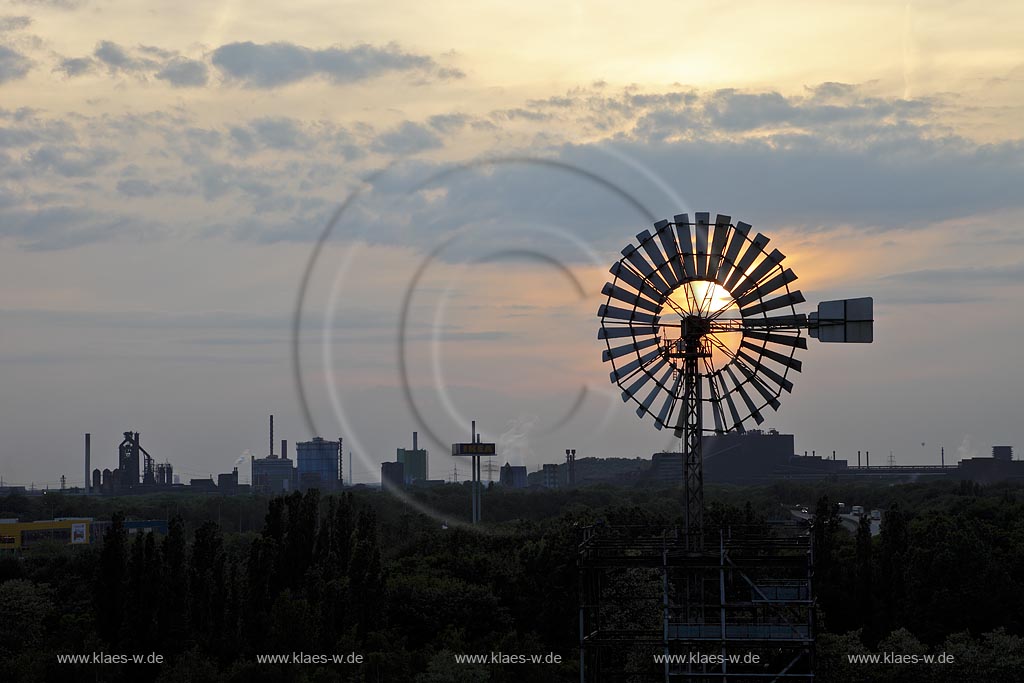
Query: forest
[364,573]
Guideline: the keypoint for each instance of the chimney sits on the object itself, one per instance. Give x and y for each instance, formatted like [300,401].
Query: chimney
[88,454]
[414,443]
[271,436]
[867,458]
[472,438]
[284,448]
[858,458]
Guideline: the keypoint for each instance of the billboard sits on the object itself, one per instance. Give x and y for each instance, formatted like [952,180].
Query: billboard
[79,533]
[473,449]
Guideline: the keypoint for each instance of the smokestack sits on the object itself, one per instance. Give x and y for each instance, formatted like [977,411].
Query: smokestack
[414,436]
[833,455]
[88,454]
[284,448]
[867,458]
[943,456]
[472,438]
[271,436]
[858,458]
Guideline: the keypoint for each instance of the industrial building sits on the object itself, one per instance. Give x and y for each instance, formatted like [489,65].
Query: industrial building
[392,475]
[273,474]
[549,476]
[126,478]
[15,535]
[749,457]
[415,462]
[319,464]
[513,476]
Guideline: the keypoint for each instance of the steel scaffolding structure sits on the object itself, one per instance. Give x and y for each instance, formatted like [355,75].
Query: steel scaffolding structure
[654,608]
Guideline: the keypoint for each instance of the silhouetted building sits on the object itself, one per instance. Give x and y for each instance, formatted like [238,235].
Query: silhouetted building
[272,475]
[319,464]
[414,460]
[202,485]
[990,470]
[747,457]
[392,475]
[513,476]
[549,476]
[1002,452]
[228,483]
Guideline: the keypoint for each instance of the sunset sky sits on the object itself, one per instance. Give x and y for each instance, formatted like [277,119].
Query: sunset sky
[166,171]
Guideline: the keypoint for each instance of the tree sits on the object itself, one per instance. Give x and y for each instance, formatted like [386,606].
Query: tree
[111,579]
[894,540]
[863,589]
[173,609]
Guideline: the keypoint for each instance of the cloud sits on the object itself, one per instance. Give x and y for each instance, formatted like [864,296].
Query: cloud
[13,64]
[184,73]
[30,130]
[407,138]
[14,23]
[70,161]
[448,123]
[55,4]
[1012,274]
[137,187]
[280,133]
[273,65]
[65,227]
[119,60]
[76,66]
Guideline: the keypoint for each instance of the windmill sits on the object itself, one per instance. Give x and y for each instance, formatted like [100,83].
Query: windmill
[701,319]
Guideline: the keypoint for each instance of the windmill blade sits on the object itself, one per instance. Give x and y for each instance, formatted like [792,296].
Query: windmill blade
[778,282]
[737,238]
[668,243]
[664,414]
[762,369]
[737,422]
[780,358]
[754,412]
[766,393]
[627,314]
[636,282]
[701,235]
[754,249]
[716,405]
[645,268]
[790,299]
[783,339]
[634,299]
[682,222]
[645,405]
[646,376]
[763,268]
[628,331]
[619,351]
[720,235]
[634,365]
[661,266]
[779,322]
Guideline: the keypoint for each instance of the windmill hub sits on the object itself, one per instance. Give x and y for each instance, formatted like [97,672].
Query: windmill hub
[696,326]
